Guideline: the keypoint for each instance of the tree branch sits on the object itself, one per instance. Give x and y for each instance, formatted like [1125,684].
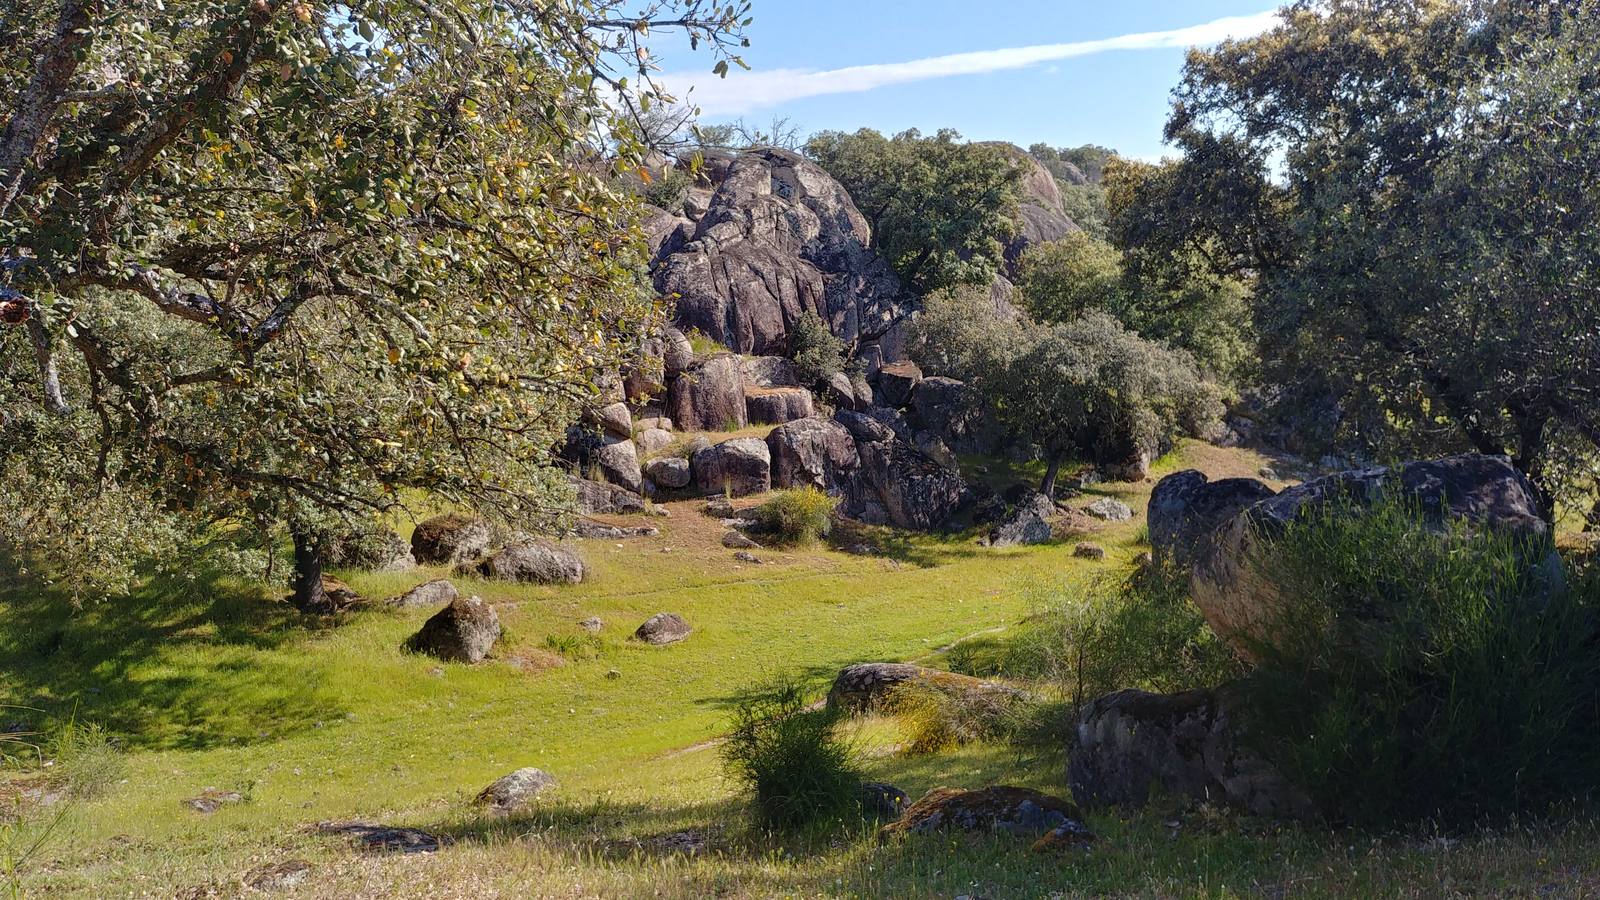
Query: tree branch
[51,74]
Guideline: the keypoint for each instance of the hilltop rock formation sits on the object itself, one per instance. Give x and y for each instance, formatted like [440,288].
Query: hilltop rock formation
[780,237]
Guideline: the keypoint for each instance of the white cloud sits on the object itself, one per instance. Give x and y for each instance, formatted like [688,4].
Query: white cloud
[742,92]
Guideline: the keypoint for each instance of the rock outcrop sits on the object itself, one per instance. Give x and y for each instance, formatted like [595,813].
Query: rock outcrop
[912,488]
[1028,523]
[1043,215]
[1486,492]
[864,687]
[515,791]
[1133,746]
[780,237]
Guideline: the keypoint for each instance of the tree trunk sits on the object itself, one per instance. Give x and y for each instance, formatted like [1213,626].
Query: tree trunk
[309,595]
[1048,488]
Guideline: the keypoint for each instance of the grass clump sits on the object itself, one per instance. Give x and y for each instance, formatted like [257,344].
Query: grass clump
[798,516]
[1415,671]
[787,751]
[576,646]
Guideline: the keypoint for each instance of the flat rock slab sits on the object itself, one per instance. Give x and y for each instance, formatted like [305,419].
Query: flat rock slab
[278,876]
[210,800]
[1000,808]
[429,593]
[384,838]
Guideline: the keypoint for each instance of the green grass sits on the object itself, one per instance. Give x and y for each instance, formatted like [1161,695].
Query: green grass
[209,684]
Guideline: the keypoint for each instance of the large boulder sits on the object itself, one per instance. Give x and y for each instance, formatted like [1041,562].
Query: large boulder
[738,467]
[535,562]
[915,491]
[376,549]
[461,632]
[1486,492]
[896,382]
[815,452]
[1186,508]
[774,406]
[1028,523]
[708,395]
[618,461]
[844,393]
[677,352]
[768,372]
[1133,746]
[779,238]
[450,538]
[670,472]
[948,408]
[615,419]
[598,498]
[516,791]
[864,428]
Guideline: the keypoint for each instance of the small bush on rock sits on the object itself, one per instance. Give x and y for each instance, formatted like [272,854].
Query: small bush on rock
[1417,673]
[818,355]
[798,769]
[798,516]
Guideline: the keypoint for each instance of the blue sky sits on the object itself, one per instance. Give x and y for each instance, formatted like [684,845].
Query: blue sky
[1026,71]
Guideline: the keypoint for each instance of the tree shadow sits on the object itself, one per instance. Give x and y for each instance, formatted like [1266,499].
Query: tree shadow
[183,662]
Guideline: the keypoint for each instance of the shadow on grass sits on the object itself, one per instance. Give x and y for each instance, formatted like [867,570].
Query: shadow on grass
[181,663]
[925,551]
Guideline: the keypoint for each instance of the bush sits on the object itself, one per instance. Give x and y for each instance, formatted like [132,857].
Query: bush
[667,190]
[790,756]
[798,516]
[937,717]
[817,353]
[1415,673]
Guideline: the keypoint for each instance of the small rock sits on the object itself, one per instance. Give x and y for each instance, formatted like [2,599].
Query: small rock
[593,624]
[690,842]
[211,800]
[1069,835]
[999,808]
[738,540]
[663,628]
[1110,510]
[719,508]
[661,423]
[279,876]
[652,439]
[514,791]
[1086,550]
[746,556]
[613,674]
[428,593]
[882,800]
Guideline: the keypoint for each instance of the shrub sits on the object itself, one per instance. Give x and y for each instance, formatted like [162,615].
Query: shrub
[798,516]
[817,353]
[667,190]
[937,717]
[1417,673]
[790,756]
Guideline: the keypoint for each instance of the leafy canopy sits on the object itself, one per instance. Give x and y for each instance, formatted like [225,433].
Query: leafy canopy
[277,262]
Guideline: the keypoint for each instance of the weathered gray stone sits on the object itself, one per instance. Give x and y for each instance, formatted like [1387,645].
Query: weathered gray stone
[1133,746]
[1186,509]
[738,467]
[428,593]
[597,498]
[615,420]
[864,687]
[669,472]
[1485,492]
[896,382]
[708,395]
[464,631]
[1028,523]
[1110,510]
[652,439]
[774,406]
[619,463]
[663,628]
[450,538]
[768,372]
[535,562]
[814,452]
[515,791]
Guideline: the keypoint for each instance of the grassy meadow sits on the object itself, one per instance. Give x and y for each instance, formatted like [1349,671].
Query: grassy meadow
[204,685]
